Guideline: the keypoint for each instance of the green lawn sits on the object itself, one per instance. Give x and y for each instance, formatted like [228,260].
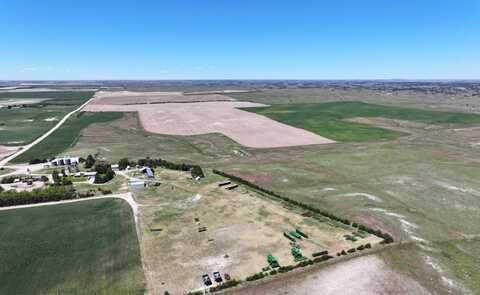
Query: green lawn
[89,247]
[21,126]
[327,119]
[65,136]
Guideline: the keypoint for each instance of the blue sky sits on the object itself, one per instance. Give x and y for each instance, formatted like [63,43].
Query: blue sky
[242,39]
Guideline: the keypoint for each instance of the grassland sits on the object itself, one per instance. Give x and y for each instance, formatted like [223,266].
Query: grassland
[84,248]
[65,136]
[328,119]
[22,125]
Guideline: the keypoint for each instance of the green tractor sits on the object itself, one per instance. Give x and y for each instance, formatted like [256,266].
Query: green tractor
[297,253]
[272,261]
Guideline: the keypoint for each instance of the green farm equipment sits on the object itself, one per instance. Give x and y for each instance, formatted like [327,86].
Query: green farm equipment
[301,233]
[297,253]
[272,261]
[289,236]
[295,234]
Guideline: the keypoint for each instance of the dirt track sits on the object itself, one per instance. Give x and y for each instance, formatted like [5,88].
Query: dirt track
[133,98]
[246,128]
[367,275]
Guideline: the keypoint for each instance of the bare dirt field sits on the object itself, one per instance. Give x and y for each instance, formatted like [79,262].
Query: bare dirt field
[241,229]
[246,128]
[6,150]
[130,97]
[363,275]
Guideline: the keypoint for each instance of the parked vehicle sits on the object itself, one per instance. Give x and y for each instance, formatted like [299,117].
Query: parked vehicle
[206,280]
[217,277]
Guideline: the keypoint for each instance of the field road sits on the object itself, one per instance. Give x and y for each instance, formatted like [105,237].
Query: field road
[124,196]
[45,135]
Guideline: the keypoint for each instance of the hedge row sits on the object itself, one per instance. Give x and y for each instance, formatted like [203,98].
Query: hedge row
[226,285]
[153,163]
[387,238]
[49,194]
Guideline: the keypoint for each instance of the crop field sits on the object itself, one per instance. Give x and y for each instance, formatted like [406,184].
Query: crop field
[328,119]
[242,227]
[19,126]
[65,136]
[84,248]
[405,98]
[207,117]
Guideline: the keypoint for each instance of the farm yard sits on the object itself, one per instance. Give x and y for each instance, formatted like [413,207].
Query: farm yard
[84,248]
[233,232]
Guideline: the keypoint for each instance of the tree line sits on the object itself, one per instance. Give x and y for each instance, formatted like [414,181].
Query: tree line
[48,194]
[195,170]
[387,238]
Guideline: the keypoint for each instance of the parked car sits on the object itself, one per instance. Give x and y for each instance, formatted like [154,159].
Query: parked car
[217,277]
[206,280]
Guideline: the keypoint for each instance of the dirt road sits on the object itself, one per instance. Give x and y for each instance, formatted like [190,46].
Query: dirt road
[45,135]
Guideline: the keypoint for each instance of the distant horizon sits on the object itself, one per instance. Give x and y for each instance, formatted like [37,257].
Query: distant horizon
[212,79]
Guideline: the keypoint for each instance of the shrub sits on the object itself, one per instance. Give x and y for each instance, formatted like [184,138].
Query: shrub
[273,272]
[351,250]
[255,277]
[123,163]
[104,173]
[89,162]
[226,285]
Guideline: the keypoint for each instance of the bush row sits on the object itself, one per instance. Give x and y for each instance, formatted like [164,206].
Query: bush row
[49,194]
[226,285]
[195,170]
[387,238]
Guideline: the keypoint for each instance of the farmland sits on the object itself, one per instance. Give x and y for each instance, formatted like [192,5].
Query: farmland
[84,248]
[413,185]
[37,112]
[65,136]
[329,119]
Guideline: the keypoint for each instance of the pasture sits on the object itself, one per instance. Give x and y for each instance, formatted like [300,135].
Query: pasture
[89,247]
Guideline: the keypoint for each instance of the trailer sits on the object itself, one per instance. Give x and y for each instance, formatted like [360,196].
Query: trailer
[288,236]
[300,232]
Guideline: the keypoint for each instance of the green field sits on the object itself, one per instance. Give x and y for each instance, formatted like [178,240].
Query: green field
[328,119]
[23,125]
[89,247]
[65,136]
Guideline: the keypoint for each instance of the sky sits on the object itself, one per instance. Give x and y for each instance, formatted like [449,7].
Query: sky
[239,39]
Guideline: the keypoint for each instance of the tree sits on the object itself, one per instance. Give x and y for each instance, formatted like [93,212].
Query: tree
[123,163]
[90,161]
[56,178]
